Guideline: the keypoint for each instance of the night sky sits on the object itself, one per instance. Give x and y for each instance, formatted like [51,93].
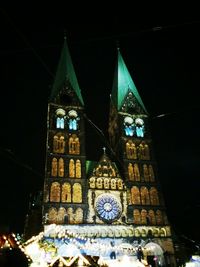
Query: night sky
[162,56]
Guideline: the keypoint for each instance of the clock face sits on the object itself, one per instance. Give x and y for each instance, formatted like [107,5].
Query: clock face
[108,207]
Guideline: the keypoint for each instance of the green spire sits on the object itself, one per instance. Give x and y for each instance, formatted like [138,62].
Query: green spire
[65,71]
[122,84]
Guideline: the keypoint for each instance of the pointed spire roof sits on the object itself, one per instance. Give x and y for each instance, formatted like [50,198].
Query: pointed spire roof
[65,71]
[123,84]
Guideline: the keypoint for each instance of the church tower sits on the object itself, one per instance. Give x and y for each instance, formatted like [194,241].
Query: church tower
[65,148]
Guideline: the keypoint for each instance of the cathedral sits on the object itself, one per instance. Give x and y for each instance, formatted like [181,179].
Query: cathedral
[107,208]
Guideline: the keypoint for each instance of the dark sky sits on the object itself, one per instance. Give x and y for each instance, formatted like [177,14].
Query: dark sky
[162,54]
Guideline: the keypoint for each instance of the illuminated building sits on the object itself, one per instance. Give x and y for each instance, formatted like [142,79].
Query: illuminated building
[115,204]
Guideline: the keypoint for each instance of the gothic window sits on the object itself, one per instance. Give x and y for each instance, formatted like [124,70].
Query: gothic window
[70,215]
[77,193]
[99,183]
[145,196]
[136,172]
[92,182]
[159,219]
[139,127]
[113,184]
[129,126]
[146,173]
[54,167]
[106,183]
[66,193]
[61,215]
[130,172]
[60,121]
[58,144]
[61,167]
[136,216]
[78,169]
[71,168]
[146,152]
[73,120]
[78,216]
[131,150]
[154,196]
[52,215]
[74,144]
[55,192]
[135,195]
[152,217]
[151,173]
[120,184]
[143,217]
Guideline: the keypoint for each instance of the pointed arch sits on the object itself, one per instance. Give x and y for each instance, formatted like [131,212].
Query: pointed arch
[151,174]
[74,144]
[106,183]
[66,193]
[136,172]
[54,167]
[61,215]
[146,152]
[92,182]
[55,143]
[60,123]
[152,218]
[70,215]
[135,195]
[71,168]
[145,173]
[154,196]
[55,192]
[52,215]
[120,184]
[130,172]
[143,216]
[131,152]
[78,216]
[77,193]
[78,168]
[136,216]
[159,218]
[99,183]
[61,167]
[113,184]
[144,195]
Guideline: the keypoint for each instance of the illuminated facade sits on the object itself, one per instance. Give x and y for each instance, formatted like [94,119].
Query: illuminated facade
[121,205]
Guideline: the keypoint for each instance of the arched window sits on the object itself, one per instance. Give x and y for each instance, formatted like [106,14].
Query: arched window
[66,193]
[119,184]
[139,127]
[77,193]
[154,196]
[135,195]
[99,182]
[159,219]
[113,184]
[74,145]
[78,169]
[136,172]
[145,196]
[78,216]
[61,167]
[151,174]
[70,215]
[106,183]
[54,167]
[73,120]
[55,192]
[58,144]
[146,173]
[136,216]
[71,168]
[61,215]
[146,152]
[130,172]
[152,217]
[143,217]
[92,182]
[60,123]
[52,215]
[131,150]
